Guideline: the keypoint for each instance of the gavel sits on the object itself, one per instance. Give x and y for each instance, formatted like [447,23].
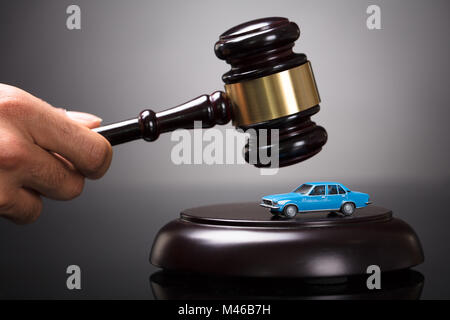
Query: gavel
[268,87]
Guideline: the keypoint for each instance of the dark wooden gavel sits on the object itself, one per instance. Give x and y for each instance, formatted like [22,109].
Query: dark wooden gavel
[268,87]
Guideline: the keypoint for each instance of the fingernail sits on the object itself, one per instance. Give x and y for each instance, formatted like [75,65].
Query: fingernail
[83,116]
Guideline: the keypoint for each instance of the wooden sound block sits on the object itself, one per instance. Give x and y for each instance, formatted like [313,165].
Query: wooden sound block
[244,239]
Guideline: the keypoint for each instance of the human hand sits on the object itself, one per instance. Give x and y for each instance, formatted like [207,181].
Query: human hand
[44,151]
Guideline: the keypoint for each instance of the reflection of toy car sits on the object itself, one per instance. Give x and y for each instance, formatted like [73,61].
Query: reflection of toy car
[316,196]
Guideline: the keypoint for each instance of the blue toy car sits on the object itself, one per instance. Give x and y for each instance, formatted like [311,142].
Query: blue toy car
[316,196]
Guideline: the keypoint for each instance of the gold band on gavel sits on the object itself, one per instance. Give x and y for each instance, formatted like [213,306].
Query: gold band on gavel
[274,96]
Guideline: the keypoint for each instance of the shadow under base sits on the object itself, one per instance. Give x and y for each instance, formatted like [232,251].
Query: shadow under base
[245,240]
[398,285]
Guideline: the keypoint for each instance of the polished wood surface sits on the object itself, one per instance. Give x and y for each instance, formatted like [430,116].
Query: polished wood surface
[209,109]
[244,239]
[259,48]
[253,215]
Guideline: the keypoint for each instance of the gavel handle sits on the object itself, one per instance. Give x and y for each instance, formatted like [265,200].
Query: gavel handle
[210,109]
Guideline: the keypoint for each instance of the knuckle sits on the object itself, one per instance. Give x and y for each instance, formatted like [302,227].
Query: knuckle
[65,129]
[12,106]
[64,183]
[12,151]
[11,209]
[32,213]
[7,90]
[75,188]
[99,158]
[53,176]
[6,202]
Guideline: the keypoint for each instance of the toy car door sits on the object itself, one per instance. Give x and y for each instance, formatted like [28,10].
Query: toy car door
[333,198]
[316,199]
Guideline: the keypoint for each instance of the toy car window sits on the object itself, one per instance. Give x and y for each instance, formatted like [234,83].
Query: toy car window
[341,191]
[304,188]
[332,189]
[318,191]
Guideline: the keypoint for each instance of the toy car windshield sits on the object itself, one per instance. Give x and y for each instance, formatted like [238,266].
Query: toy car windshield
[303,189]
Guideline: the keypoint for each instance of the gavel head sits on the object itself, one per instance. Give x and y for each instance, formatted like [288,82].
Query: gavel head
[271,87]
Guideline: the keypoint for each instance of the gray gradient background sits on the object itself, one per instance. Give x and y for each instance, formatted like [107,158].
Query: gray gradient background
[385,104]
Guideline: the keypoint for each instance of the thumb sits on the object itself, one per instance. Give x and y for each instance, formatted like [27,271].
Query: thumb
[88,120]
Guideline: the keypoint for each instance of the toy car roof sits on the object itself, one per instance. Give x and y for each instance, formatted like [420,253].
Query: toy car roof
[322,182]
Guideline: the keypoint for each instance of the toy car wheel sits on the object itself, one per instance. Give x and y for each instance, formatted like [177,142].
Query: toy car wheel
[348,209]
[290,211]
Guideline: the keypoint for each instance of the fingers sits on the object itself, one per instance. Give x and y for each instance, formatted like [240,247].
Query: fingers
[20,205]
[86,119]
[50,175]
[90,152]
[23,164]
[53,130]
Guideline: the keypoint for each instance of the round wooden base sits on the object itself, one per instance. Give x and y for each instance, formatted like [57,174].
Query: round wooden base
[244,239]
